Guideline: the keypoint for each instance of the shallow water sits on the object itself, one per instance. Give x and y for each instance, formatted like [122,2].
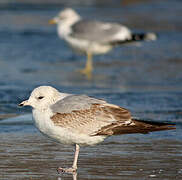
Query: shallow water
[147,79]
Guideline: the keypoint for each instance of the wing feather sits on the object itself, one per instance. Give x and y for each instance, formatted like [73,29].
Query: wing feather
[75,102]
[89,121]
[106,119]
[101,32]
[134,126]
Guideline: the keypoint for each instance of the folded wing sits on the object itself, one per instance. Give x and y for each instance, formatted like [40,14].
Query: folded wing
[100,32]
[87,115]
[94,117]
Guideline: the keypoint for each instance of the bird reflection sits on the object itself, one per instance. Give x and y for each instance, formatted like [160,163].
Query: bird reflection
[74,175]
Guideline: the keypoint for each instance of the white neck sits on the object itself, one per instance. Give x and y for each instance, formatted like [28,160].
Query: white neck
[63,95]
[64,27]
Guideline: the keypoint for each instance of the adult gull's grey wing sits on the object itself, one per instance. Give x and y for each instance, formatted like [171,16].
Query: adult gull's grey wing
[101,32]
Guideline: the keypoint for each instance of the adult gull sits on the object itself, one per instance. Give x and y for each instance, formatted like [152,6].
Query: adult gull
[93,37]
[81,120]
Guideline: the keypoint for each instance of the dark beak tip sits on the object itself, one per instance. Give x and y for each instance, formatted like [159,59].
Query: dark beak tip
[21,104]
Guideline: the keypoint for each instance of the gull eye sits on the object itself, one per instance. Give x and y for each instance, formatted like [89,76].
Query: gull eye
[40,97]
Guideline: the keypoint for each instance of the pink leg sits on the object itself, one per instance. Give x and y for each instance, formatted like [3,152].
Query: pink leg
[77,149]
[74,166]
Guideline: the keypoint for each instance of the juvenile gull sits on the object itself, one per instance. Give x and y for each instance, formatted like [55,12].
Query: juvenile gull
[81,120]
[93,37]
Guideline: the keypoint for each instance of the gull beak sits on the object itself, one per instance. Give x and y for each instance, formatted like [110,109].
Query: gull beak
[24,103]
[52,21]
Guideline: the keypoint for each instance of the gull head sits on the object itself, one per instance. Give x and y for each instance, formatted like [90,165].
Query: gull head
[42,98]
[67,15]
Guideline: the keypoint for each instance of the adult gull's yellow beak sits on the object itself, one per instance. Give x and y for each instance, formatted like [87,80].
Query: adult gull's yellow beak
[52,21]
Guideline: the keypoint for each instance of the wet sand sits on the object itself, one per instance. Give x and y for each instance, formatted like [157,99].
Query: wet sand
[26,154]
[29,155]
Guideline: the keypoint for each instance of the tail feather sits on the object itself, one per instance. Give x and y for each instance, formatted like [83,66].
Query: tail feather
[144,37]
[135,126]
[136,37]
[150,126]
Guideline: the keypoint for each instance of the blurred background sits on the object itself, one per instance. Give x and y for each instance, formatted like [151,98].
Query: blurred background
[146,79]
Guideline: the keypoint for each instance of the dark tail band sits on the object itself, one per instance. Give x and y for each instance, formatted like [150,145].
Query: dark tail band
[144,37]
[136,37]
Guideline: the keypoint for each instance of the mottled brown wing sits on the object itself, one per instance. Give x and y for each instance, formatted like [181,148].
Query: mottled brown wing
[89,121]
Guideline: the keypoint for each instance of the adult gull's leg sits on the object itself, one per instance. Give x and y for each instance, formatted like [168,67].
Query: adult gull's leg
[88,67]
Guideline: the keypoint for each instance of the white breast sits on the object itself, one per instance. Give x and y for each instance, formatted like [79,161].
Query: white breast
[85,46]
[81,45]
